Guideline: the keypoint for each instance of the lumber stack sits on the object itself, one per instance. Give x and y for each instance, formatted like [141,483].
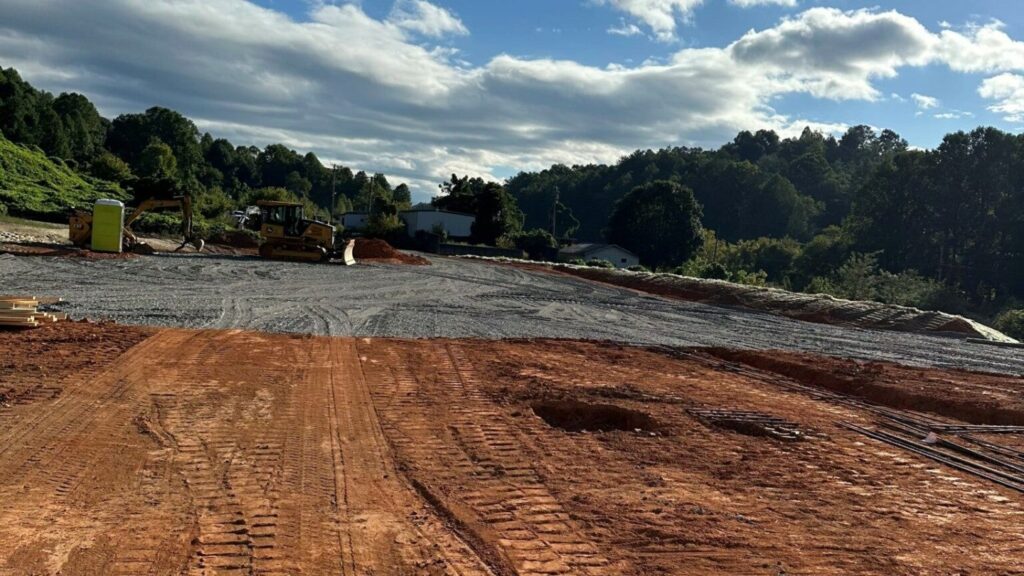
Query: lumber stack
[23,312]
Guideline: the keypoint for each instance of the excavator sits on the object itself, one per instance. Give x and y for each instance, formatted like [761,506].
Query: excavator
[80,225]
[286,234]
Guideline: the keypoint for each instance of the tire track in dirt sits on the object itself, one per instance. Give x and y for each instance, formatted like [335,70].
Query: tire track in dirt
[206,453]
[468,457]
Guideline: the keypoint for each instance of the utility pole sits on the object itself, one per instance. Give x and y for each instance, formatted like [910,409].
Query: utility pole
[554,214]
[334,178]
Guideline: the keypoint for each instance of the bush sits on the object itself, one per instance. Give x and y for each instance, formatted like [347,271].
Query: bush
[1011,323]
[860,279]
[537,243]
[3,209]
[214,203]
[599,263]
[110,167]
[638,268]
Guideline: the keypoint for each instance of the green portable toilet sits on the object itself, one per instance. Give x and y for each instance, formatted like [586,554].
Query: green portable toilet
[107,222]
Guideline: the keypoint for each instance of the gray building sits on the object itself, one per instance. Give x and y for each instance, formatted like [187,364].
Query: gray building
[617,255]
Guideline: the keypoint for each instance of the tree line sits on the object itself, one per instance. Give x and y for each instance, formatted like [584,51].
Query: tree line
[163,145]
[862,215]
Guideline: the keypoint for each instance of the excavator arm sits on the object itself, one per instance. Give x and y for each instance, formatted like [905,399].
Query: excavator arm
[184,202]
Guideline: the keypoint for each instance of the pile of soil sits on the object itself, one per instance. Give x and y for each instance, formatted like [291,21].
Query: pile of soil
[973,397]
[375,250]
[236,239]
[43,249]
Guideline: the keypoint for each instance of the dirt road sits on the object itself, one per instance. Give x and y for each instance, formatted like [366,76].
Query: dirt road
[209,453]
[450,299]
[227,452]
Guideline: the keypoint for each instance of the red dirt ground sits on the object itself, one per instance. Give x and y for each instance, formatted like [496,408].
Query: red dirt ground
[226,452]
[42,249]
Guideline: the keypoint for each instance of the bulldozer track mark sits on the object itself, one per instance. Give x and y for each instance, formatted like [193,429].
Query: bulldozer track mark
[216,463]
[443,425]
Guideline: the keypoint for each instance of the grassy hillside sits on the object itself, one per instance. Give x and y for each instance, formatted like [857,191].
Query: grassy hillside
[33,186]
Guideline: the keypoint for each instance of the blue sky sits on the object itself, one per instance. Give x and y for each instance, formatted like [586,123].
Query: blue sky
[419,89]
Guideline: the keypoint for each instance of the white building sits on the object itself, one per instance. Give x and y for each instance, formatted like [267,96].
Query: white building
[421,218]
[617,255]
[429,219]
[355,220]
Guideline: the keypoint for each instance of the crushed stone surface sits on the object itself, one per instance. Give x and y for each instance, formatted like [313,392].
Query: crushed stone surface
[452,298]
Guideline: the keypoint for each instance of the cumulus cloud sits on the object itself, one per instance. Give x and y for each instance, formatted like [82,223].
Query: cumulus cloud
[984,48]
[834,54]
[425,18]
[366,93]
[661,16]
[1008,89]
[924,102]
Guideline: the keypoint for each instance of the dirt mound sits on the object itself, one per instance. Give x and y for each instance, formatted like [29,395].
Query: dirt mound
[236,239]
[375,250]
[969,396]
[57,250]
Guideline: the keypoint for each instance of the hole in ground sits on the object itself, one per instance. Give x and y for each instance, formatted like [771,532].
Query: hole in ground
[575,416]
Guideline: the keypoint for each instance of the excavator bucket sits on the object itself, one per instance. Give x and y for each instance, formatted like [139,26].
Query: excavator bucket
[348,253]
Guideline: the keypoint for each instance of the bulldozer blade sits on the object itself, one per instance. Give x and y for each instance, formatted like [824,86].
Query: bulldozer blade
[348,254]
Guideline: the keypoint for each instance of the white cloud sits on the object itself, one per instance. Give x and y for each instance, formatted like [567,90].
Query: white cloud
[363,92]
[661,16]
[985,48]
[924,102]
[954,115]
[750,3]
[625,29]
[1008,89]
[425,18]
[830,53]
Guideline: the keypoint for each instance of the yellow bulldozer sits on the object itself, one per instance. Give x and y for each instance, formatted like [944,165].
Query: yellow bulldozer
[286,234]
[80,225]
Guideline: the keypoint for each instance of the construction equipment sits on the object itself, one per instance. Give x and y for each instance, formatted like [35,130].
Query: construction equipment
[80,225]
[286,234]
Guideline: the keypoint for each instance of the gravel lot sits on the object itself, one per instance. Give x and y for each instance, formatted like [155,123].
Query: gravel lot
[452,298]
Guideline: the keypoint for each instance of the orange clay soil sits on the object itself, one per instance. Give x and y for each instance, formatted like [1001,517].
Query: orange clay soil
[243,453]
[379,251]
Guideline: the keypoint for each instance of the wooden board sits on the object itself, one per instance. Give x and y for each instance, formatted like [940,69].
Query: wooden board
[16,304]
[20,313]
[39,299]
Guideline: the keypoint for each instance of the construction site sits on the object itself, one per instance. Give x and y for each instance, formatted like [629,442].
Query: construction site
[222,414]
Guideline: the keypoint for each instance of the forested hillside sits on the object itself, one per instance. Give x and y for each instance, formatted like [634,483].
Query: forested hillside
[163,144]
[33,185]
[860,216]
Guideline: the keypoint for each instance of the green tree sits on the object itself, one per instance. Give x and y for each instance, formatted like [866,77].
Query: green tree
[496,213]
[158,161]
[659,221]
[110,167]
[84,128]
[402,196]
[131,134]
[298,184]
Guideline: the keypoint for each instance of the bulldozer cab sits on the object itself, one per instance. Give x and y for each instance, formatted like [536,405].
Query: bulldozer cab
[289,215]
